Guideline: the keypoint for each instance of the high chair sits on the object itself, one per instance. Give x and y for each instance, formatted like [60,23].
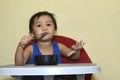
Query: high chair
[84,58]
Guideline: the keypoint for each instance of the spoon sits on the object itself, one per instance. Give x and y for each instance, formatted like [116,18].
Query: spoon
[43,34]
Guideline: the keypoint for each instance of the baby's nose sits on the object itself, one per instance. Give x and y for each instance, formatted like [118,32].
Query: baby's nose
[44,27]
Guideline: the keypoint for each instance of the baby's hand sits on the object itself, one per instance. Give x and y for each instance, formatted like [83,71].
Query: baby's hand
[25,40]
[76,48]
[78,45]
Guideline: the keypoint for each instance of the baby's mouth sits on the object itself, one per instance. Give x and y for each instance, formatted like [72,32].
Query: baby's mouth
[43,34]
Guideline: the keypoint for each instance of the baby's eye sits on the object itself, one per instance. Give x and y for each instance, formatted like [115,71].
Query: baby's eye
[38,25]
[48,24]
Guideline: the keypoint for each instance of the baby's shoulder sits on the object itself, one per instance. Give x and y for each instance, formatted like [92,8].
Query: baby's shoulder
[61,45]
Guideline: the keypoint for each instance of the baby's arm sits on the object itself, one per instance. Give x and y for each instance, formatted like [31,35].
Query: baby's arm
[74,52]
[22,54]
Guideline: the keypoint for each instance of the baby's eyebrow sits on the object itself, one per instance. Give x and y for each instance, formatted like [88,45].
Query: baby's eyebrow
[37,23]
[49,21]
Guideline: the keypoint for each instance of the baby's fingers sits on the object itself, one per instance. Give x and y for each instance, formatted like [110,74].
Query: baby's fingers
[25,40]
[80,44]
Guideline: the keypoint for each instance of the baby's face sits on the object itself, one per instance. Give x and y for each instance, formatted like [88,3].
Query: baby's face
[44,24]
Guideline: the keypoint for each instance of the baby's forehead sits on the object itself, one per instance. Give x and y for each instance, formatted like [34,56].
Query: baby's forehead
[43,18]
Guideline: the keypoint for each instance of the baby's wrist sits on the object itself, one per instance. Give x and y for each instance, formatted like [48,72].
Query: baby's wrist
[74,47]
[71,53]
[21,45]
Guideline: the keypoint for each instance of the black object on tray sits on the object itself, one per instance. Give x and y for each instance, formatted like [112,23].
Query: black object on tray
[46,59]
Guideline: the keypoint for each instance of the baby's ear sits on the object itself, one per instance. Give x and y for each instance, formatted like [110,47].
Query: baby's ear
[55,32]
[32,35]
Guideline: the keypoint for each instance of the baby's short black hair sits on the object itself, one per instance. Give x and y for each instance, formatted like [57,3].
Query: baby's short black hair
[39,14]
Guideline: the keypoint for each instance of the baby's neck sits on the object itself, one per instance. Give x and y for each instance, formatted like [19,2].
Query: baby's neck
[44,44]
[46,48]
